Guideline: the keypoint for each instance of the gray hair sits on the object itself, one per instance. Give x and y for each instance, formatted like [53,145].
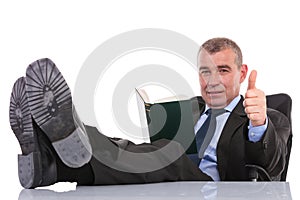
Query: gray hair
[215,45]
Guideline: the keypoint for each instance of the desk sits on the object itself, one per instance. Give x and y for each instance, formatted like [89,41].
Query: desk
[170,190]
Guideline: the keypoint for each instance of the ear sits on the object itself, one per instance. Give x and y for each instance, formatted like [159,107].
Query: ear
[243,74]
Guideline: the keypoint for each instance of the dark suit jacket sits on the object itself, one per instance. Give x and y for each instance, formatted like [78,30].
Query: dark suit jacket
[234,150]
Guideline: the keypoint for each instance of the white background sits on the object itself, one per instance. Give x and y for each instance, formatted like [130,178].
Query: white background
[68,31]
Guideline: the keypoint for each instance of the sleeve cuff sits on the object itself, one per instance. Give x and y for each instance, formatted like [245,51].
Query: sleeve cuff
[257,132]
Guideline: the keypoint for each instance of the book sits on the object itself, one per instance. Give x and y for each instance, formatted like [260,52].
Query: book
[169,118]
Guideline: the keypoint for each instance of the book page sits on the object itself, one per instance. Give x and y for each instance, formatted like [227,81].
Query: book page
[141,97]
[157,94]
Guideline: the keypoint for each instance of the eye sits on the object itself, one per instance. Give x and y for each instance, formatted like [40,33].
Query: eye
[204,72]
[224,71]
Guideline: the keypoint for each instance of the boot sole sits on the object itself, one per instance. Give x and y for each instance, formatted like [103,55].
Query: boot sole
[50,102]
[20,117]
[30,170]
[29,163]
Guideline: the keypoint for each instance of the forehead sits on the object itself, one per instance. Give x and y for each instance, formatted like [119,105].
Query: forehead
[224,57]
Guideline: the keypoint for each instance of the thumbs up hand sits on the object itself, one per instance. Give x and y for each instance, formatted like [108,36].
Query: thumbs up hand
[255,102]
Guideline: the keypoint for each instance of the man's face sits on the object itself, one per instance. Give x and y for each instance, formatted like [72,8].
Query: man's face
[220,78]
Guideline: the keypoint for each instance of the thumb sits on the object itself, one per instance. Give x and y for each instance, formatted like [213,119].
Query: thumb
[252,80]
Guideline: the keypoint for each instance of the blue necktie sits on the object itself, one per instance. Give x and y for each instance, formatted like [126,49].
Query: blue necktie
[207,130]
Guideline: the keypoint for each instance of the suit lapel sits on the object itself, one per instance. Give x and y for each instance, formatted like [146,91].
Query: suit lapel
[237,118]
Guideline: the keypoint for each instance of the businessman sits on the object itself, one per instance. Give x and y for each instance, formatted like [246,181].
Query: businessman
[56,146]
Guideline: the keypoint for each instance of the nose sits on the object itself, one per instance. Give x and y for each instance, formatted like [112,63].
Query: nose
[213,79]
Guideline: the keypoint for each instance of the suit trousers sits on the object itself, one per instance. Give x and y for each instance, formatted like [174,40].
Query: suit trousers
[119,161]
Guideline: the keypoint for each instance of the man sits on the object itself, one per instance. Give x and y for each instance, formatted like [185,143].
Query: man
[56,146]
[246,132]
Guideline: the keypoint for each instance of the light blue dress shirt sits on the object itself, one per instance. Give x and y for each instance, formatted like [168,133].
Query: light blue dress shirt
[208,163]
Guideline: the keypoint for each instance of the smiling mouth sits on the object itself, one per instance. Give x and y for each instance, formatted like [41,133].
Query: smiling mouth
[214,92]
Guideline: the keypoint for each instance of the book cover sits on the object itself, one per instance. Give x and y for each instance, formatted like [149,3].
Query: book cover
[169,118]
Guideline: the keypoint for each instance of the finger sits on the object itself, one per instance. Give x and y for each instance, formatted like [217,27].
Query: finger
[252,101]
[256,119]
[249,102]
[253,117]
[252,80]
[251,94]
[253,109]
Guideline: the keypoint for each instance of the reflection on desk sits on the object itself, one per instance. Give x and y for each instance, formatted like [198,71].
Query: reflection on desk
[169,190]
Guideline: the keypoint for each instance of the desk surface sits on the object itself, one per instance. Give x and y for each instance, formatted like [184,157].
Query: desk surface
[171,190]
